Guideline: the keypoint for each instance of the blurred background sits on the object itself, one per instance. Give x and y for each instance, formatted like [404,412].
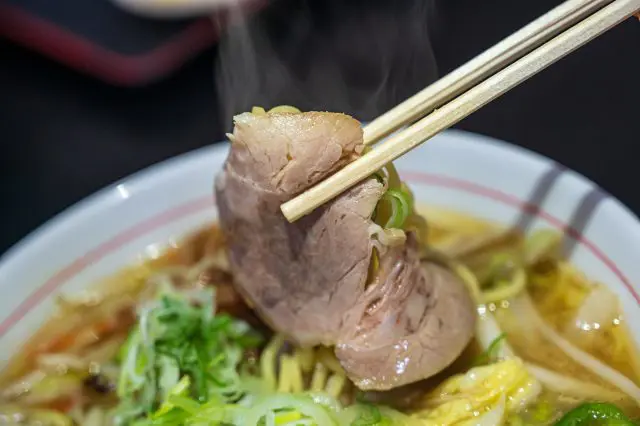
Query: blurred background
[91,93]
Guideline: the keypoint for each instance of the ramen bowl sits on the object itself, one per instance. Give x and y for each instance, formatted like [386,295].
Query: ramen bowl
[142,215]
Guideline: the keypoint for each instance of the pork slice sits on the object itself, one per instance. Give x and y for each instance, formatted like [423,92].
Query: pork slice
[307,279]
[413,322]
[301,278]
[287,153]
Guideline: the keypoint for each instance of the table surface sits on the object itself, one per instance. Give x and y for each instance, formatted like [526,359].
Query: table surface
[65,135]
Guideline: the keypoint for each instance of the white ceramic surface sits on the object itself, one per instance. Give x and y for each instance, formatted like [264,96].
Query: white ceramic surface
[172,9]
[143,213]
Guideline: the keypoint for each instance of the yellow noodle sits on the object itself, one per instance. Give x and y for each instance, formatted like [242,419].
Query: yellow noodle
[295,375]
[284,379]
[319,378]
[335,385]
[306,357]
[469,279]
[328,358]
[268,362]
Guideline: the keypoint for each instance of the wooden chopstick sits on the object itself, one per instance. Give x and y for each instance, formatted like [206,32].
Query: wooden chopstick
[462,106]
[482,66]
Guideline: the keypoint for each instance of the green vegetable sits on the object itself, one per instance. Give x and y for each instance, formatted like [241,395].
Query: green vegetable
[396,204]
[595,414]
[187,411]
[542,411]
[179,390]
[367,414]
[275,409]
[393,176]
[400,208]
[491,354]
[379,177]
[279,404]
[179,335]
[370,416]
[180,367]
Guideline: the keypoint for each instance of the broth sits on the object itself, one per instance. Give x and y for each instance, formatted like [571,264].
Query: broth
[70,365]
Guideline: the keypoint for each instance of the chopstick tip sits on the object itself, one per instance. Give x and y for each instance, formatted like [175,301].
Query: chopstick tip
[290,212]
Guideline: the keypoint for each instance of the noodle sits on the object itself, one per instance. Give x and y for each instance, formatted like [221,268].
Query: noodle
[72,365]
[268,362]
[598,368]
[319,378]
[292,370]
[469,279]
[572,387]
[335,385]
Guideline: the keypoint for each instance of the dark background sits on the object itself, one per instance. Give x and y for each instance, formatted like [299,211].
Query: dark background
[65,135]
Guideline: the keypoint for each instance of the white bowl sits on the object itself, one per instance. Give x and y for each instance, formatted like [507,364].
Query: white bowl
[147,211]
[163,9]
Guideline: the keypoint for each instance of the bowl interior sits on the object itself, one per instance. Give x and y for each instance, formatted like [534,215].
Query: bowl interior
[139,216]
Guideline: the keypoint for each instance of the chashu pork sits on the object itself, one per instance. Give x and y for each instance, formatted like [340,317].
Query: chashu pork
[310,280]
[413,321]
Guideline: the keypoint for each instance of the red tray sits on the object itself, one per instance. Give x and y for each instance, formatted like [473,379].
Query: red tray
[88,55]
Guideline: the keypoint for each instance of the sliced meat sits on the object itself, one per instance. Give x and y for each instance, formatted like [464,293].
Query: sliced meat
[286,153]
[307,279]
[302,277]
[413,322]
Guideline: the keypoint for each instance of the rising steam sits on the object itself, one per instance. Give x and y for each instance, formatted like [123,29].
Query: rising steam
[360,57]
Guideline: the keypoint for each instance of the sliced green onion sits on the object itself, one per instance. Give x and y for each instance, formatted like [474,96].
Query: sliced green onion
[170,375]
[369,416]
[184,403]
[399,208]
[278,402]
[397,203]
[179,390]
[179,335]
[285,108]
[492,351]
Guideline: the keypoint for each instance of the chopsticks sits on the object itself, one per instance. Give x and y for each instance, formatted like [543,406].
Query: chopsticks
[482,66]
[482,84]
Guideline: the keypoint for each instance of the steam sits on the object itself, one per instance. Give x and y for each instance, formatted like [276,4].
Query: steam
[356,56]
